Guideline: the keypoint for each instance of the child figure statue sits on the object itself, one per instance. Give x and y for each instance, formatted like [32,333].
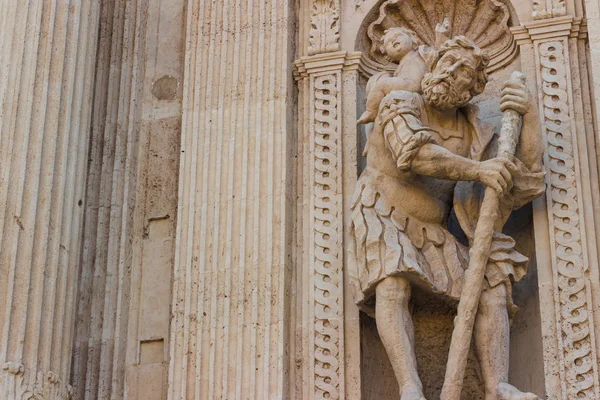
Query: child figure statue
[401,46]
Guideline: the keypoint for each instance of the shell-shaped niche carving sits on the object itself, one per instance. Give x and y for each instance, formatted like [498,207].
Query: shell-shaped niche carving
[487,22]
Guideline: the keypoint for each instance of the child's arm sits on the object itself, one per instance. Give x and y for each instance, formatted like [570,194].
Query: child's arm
[411,83]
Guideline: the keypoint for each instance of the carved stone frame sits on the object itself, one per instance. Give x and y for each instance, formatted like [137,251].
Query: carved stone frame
[566,219]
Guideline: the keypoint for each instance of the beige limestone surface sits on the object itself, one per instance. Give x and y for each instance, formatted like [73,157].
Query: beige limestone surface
[176,181]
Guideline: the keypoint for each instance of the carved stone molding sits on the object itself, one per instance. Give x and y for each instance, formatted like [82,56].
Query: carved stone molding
[574,307]
[571,255]
[324,33]
[326,260]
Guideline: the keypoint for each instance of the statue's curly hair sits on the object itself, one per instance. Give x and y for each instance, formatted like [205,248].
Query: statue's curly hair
[392,33]
[481,58]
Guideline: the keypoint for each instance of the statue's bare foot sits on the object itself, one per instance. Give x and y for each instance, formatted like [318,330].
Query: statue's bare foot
[412,392]
[509,392]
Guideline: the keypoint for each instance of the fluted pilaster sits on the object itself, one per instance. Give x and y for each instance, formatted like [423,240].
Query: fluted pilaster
[232,268]
[47,58]
[229,331]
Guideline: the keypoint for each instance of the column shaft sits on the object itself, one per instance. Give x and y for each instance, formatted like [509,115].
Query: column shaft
[229,333]
[47,58]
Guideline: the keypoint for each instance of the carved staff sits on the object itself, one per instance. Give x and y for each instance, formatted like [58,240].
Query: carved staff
[479,254]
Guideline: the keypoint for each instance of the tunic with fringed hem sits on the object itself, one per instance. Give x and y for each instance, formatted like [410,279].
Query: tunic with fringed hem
[398,226]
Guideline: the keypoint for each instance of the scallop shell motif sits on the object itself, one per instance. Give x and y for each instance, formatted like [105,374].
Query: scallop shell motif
[487,22]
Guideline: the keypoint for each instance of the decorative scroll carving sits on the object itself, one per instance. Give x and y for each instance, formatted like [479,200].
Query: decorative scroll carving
[321,244]
[486,22]
[574,311]
[327,233]
[324,34]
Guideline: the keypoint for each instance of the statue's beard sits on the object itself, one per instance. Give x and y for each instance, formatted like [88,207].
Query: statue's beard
[440,92]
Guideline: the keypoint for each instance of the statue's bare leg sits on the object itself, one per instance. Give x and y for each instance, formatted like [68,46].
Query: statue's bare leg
[492,341]
[395,327]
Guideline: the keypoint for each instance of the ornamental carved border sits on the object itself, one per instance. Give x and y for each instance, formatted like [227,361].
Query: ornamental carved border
[327,259]
[326,247]
[571,283]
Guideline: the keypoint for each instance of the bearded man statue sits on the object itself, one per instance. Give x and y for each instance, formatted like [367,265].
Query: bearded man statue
[426,155]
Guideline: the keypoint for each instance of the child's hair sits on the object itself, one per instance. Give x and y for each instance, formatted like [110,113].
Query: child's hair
[392,33]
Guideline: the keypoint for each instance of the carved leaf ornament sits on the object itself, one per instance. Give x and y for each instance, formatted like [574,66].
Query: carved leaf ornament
[324,30]
[487,22]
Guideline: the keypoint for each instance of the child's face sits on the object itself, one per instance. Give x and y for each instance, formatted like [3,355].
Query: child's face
[398,46]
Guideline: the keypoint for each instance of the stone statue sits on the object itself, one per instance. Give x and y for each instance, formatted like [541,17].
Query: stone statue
[428,153]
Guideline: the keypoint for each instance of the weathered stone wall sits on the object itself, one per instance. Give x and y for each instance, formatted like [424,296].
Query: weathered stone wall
[98,359]
[147,360]
[121,349]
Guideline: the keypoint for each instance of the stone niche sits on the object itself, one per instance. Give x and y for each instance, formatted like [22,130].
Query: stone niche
[488,23]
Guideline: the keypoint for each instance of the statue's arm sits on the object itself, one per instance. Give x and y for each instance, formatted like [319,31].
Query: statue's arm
[414,148]
[438,162]
[530,151]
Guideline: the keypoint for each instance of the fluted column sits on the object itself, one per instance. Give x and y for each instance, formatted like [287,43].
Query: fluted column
[47,58]
[230,326]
